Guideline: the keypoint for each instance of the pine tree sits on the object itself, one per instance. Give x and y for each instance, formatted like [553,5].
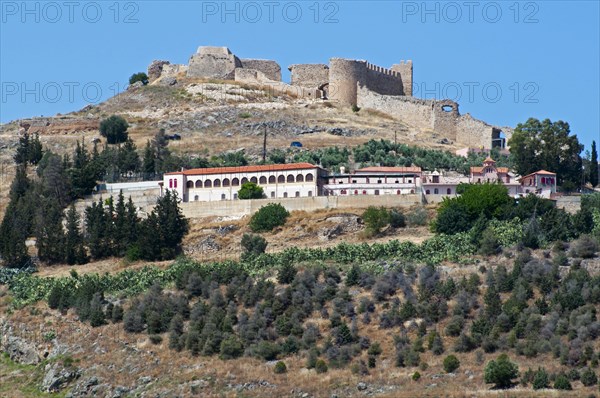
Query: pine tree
[22,154]
[594,166]
[74,249]
[131,224]
[35,150]
[119,231]
[97,317]
[149,163]
[17,222]
[128,159]
[98,240]
[49,231]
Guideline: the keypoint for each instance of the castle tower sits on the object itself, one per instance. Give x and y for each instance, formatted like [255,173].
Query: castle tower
[405,68]
[344,74]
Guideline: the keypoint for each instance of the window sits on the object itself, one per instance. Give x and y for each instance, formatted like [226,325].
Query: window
[208,184]
[436,191]
[398,192]
[273,194]
[254,180]
[309,177]
[353,181]
[290,178]
[196,198]
[343,192]
[397,182]
[299,178]
[378,181]
[272,180]
[364,192]
[244,180]
[235,196]
[297,194]
[285,194]
[235,182]
[281,179]
[217,183]
[175,183]
[412,191]
[449,191]
[356,192]
[309,194]
[189,184]
[410,181]
[170,183]
[263,180]
[198,184]
[223,196]
[377,192]
[479,180]
[226,182]
[427,192]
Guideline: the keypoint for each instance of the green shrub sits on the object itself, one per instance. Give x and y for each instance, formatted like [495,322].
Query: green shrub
[155,339]
[268,217]
[589,377]
[321,366]
[375,218]
[451,363]
[489,244]
[253,245]
[231,348]
[267,350]
[540,379]
[584,247]
[397,219]
[114,128]
[250,190]
[416,376]
[280,368]
[501,372]
[139,77]
[562,383]
[417,217]
[286,274]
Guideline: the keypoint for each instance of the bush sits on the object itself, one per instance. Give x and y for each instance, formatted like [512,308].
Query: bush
[253,245]
[451,363]
[286,274]
[489,244]
[540,379]
[231,348]
[114,129]
[501,372]
[584,247]
[268,217]
[562,383]
[267,350]
[250,190]
[280,368]
[155,339]
[417,217]
[589,377]
[397,219]
[416,376]
[375,218]
[139,77]
[321,366]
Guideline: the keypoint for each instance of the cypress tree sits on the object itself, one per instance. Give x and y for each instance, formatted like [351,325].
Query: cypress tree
[17,222]
[74,249]
[149,163]
[119,232]
[49,231]
[594,166]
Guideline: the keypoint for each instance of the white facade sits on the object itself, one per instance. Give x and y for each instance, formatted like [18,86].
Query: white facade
[223,183]
[374,181]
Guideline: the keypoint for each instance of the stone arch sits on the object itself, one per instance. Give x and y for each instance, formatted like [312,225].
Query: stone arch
[244,180]
[235,182]
[262,180]
[272,180]
[254,180]
[449,191]
[189,184]
[299,178]
[290,178]
[198,184]
[309,177]
[281,179]
[226,182]
[208,184]
[217,183]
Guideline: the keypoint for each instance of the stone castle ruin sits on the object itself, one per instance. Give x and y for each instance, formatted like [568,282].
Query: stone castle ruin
[347,82]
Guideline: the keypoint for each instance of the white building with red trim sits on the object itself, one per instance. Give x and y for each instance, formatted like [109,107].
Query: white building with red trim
[542,183]
[374,181]
[223,183]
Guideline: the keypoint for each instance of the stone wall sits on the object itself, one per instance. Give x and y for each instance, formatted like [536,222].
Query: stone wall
[239,208]
[59,125]
[155,69]
[309,75]
[213,62]
[405,68]
[383,81]
[270,69]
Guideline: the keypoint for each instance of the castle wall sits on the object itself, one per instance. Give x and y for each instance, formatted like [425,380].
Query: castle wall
[405,68]
[383,81]
[309,75]
[213,62]
[343,77]
[270,69]
[251,76]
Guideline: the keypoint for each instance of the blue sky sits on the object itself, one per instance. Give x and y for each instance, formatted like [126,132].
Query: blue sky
[502,61]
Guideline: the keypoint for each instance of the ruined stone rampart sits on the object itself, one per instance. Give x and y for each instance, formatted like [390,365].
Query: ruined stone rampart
[59,125]
[309,75]
[383,81]
[213,62]
[405,68]
[270,69]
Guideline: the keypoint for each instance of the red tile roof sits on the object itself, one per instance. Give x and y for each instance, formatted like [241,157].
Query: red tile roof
[479,170]
[540,172]
[489,159]
[245,169]
[377,169]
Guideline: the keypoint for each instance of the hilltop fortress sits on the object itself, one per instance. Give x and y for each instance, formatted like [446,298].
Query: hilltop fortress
[347,82]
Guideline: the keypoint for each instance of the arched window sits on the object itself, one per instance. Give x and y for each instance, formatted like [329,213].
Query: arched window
[263,180]
[272,180]
[208,184]
[281,179]
[356,191]
[290,178]
[309,194]
[196,198]
[223,196]
[217,183]
[198,184]
[254,180]
[343,192]
[412,191]
[449,191]
[436,191]
[427,192]
[244,180]
[364,192]
[299,178]
[309,177]
[285,194]
[226,182]
[189,184]
[235,182]
[297,194]
[398,192]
